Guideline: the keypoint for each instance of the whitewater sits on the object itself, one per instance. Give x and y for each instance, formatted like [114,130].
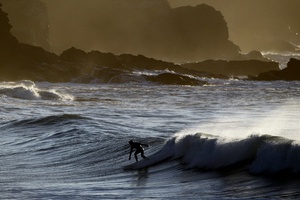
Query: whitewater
[228,139]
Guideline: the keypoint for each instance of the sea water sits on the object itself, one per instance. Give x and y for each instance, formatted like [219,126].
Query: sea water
[229,139]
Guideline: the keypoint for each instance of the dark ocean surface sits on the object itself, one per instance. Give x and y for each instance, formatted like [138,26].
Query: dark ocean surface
[229,139]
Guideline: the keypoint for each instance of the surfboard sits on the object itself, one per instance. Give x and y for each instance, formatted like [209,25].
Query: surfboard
[139,165]
[152,160]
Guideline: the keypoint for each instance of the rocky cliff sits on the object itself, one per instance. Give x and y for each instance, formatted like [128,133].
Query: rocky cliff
[203,34]
[30,22]
[20,61]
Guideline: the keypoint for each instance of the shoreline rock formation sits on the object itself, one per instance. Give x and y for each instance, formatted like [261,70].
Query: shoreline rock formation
[20,61]
[234,67]
[290,73]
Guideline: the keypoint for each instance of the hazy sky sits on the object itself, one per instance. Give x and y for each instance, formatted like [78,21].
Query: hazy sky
[117,24]
[252,24]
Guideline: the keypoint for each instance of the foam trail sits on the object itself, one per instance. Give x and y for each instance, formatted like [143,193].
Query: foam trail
[29,91]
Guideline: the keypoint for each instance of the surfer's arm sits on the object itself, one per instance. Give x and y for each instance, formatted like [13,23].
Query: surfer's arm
[130,153]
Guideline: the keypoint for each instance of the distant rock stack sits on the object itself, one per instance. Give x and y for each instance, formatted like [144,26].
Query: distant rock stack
[203,34]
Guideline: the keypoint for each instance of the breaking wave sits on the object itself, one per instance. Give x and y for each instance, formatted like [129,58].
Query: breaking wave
[29,91]
[261,154]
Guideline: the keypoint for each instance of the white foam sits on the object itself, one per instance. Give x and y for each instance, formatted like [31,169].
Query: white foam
[29,91]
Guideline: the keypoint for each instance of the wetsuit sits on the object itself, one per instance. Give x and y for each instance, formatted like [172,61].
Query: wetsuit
[139,149]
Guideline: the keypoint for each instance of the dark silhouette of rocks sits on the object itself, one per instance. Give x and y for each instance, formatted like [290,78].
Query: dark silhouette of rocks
[94,57]
[109,68]
[30,22]
[7,41]
[290,73]
[74,55]
[36,64]
[233,68]
[20,61]
[174,79]
[11,49]
[203,34]
[141,62]
[264,25]
[254,55]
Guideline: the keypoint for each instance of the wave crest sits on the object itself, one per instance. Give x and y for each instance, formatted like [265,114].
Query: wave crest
[29,91]
[263,154]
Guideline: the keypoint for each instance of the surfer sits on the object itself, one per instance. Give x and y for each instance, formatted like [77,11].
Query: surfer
[139,149]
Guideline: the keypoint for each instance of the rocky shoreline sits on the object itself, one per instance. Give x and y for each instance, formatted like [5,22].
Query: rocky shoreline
[22,61]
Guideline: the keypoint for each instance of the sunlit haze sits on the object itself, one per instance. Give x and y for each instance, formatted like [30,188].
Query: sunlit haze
[156,28]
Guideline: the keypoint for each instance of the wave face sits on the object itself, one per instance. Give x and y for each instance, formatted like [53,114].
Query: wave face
[264,154]
[48,121]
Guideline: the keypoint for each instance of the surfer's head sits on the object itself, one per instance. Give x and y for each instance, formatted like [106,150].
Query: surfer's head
[130,142]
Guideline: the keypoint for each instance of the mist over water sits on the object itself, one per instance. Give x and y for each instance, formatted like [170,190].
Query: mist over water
[109,25]
[258,25]
[150,21]
[177,31]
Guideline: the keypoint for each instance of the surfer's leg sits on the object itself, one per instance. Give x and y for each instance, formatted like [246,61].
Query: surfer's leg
[143,156]
[135,156]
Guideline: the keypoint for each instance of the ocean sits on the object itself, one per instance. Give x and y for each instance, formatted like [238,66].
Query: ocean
[228,139]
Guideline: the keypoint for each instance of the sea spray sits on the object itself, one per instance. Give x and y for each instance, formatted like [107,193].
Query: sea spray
[29,91]
[261,154]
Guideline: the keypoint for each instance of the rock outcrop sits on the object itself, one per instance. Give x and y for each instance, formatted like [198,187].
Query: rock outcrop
[290,73]
[233,68]
[174,79]
[203,34]
[7,41]
[20,61]
[252,28]
[110,68]
[30,22]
